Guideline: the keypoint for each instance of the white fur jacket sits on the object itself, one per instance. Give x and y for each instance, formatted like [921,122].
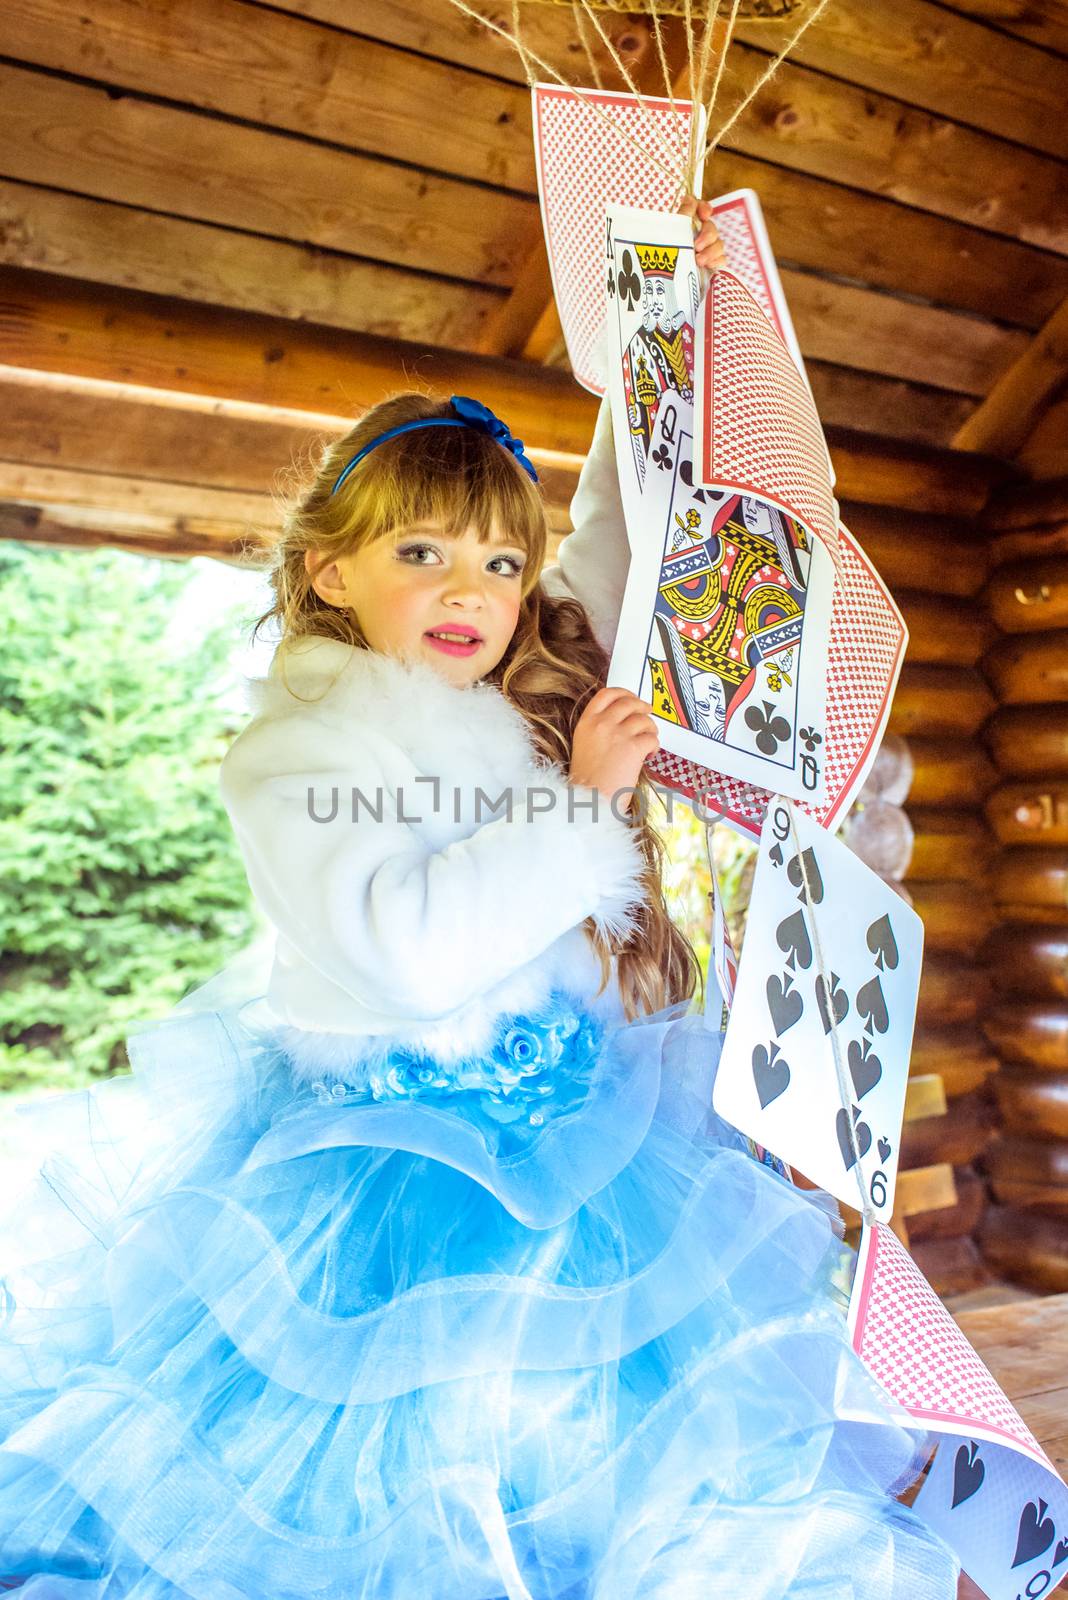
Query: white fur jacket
[407,908]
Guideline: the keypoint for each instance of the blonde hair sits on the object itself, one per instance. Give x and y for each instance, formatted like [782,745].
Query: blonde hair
[454,478]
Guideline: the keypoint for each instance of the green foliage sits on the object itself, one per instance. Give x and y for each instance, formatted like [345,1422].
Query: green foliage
[123,884]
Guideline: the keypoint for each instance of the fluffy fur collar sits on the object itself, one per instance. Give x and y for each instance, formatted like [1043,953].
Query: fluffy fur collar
[466,735]
[470,738]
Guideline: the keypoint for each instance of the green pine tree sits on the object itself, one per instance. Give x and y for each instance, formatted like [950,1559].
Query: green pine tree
[123,885]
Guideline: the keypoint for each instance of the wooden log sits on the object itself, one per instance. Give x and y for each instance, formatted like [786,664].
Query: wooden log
[891,774]
[1033,505]
[57,325]
[955,773]
[1034,1032]
[948,844]
[962,354]
[105,243]
[165,158]
[955,918]
[165,539]
[959,1137]
[942,633]
[932,701]
[1028,958]
[1029,669]
[1049,1199]
[796,124]
[321,84]
[925,1097]
[1026,1248]
[881,835]
[923,1189]
[953,1222]
[1030,813]
[1033,1102]
[951,1266]
[1044,25]
[1023,878]
[960,1056]
[1028,543]
[1029,741]
[879,53]
[938,555]
[892,472]
[892,408]
[1015,1158]
[1044,453]
[950,991]
[1011,412]
[1029,596]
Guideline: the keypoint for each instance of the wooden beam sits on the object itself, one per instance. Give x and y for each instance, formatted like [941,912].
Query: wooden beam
[840,131]
[282,72]
[1045,454]
[1041,22]
[1002,424]
[98,498]
[164,159]
[111,244]
[96,240]
[891,407]
[817,224]
[930,57]
[940,555]
[926,344]
[802,120]
[1038,505]
[170,539]
[51,325]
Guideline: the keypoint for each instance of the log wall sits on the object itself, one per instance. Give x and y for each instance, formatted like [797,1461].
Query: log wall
[935,761]
[1024,1017]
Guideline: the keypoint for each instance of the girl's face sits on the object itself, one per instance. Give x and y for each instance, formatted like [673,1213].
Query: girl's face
[415,584]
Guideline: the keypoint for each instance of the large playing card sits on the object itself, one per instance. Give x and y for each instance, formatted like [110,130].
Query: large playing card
[758,431]
[815,1062]
[992,1492]
[740,221]
[724,627]
[590,153]
[653,298]
[867,645]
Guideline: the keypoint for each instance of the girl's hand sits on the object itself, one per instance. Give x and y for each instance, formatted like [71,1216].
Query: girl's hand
[708,246]
[613,737]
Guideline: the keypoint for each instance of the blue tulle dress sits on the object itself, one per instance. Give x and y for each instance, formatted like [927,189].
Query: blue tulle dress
[536,1326]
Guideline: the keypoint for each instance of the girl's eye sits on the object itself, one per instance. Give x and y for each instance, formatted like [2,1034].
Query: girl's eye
[517,565]
[412,552]
[413,549]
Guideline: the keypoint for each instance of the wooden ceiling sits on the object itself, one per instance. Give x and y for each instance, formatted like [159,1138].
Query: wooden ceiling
[226,226]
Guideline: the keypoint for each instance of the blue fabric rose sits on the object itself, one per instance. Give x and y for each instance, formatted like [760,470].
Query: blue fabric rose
[476,415]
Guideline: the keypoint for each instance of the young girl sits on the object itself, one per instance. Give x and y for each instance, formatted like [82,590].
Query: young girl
[428,1269]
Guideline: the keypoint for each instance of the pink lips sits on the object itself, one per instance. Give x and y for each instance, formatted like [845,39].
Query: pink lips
[452,647]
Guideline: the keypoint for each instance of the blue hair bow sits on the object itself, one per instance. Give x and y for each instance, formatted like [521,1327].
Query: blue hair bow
[476,415]
[469,414]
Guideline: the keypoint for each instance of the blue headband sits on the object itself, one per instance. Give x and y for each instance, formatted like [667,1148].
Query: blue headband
[469,414]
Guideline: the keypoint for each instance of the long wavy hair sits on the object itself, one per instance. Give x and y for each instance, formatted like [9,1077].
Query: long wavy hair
[454,478]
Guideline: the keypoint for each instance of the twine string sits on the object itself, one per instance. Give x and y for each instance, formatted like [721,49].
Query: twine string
[526,56]
[812,17]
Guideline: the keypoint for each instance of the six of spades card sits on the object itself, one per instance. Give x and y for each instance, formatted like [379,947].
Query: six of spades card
[826,996]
